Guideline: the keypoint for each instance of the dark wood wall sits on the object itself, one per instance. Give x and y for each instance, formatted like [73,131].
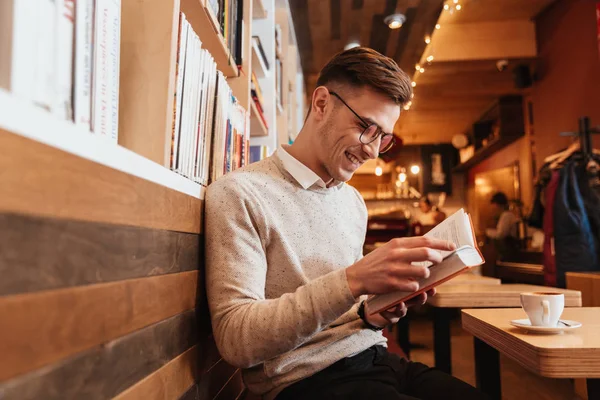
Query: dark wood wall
[101,284]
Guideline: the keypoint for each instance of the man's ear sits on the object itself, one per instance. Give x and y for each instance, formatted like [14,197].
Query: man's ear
[321,101]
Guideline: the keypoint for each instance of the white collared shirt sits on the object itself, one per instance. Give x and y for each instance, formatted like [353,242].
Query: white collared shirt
[305,176]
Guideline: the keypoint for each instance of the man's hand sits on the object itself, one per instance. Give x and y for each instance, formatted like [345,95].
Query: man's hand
[393,315]
[388,268]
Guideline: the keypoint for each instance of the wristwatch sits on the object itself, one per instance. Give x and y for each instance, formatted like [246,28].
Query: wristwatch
[361,314]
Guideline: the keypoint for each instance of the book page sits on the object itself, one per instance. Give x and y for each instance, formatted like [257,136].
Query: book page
[456,228]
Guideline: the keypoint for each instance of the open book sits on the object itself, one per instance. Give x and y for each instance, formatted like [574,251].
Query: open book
[457,228]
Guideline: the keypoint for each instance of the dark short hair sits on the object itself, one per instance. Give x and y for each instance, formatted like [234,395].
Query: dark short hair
[500,199]
[426,200]
[362,66]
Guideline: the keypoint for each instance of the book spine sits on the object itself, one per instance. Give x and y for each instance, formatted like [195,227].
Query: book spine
[114,62]
[101,76]
[178,97]
[44,55]
[82,85]
[63,58]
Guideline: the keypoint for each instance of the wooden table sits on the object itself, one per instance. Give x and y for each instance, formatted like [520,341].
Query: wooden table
[403,326]
[574,354]
[470,279]
[451,297]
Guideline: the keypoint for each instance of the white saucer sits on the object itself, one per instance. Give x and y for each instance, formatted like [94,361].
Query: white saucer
[526,325]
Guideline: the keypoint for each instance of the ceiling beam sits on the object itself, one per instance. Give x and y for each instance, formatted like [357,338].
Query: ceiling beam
[483,40]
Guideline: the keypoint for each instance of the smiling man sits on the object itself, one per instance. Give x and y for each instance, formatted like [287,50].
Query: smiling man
[286,279]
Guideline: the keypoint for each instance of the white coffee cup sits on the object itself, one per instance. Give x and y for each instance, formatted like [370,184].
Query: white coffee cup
[543,308]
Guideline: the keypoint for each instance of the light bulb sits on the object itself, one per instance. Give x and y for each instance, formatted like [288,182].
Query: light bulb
[446,7]
[412,95]
[417,67]
[427,39]
[378,171]
[395,24]
[455,1]
[430,59]
[458,7]
[402,177]
[422,70]
[437,26]
[406,107]
[415,169]
[414,83]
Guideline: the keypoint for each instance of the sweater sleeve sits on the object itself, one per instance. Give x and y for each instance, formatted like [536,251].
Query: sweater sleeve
[248,328]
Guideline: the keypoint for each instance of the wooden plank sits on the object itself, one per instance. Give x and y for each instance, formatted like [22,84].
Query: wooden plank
[149,32]
[201,18]
[106,370]
[168,382]
[44,253]
[50,325]
[482,296]
[589,285]
[575,354]
[41,180]
[485,40]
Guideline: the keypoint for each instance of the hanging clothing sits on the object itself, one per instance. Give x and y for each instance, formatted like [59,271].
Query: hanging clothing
[574,241]
[548,225]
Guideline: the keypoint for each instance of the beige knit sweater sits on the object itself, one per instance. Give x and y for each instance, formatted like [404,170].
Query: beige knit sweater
[276,255]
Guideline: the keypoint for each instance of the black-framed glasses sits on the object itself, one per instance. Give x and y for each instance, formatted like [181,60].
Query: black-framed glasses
[371,131]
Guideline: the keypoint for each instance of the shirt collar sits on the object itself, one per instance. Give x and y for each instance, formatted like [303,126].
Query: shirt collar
[305,176]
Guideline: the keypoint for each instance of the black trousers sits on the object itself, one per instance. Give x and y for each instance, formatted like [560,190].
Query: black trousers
[377,374]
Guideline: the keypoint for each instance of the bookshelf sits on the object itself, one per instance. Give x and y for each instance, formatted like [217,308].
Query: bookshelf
[257,126]
[259,11]
[116,215]
[258,65]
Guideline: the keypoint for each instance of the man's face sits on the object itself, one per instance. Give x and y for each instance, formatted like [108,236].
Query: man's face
[340,150]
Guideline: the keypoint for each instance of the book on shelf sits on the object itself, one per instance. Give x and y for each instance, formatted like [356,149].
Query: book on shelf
[210,129]
[255,86]
[65,17]
[258,153]
[82,65]
[229,15]
[105,86]
[261,51]
[63,55]
[458,228]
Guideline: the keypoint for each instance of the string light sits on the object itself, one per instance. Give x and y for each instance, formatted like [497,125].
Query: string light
[417,67]
[422,70]
[429,59]
[427,39]
[437,26]
[414,83]
[452,6]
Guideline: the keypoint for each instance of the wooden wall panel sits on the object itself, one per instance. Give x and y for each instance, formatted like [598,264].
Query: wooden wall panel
[169,382]
[50,325]
[108,369]
[43,253]
[41,180]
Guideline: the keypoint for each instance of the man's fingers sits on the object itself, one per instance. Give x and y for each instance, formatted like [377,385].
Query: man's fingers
[418,300]
[418,254]
[397,312]
[422,241]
